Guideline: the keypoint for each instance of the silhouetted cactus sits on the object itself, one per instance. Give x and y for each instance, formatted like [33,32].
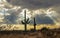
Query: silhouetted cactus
[34,24]
[25,21]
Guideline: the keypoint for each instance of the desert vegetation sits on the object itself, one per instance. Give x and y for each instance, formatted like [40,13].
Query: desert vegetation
[43,33]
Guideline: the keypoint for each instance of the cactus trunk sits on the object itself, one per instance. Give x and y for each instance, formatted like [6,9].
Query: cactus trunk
[25,21]
[34,24]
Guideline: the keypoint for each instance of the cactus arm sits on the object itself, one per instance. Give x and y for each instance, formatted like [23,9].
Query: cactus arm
[22,22]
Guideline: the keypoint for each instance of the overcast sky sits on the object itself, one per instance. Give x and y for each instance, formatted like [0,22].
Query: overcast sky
[33,5]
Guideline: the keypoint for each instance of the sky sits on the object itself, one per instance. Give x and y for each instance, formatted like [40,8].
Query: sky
[45,11]
[35,4]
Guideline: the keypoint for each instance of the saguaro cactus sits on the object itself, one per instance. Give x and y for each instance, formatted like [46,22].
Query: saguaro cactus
[34,24]
[25,21]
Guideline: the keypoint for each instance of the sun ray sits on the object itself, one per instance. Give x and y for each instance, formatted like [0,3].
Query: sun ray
[49,13]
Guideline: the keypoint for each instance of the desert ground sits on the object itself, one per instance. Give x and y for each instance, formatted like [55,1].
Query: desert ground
[43,33]
[17,31]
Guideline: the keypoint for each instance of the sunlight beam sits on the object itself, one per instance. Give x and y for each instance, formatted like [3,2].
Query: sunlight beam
[49,12]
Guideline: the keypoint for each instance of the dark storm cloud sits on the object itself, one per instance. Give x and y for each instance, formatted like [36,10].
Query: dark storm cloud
[38,4]
[11,19]
[42,19]
[34,4]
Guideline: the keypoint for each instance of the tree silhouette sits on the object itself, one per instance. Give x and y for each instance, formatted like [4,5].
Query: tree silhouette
[34,24]
[25,21]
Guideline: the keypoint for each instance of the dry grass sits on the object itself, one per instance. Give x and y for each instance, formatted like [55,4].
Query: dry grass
[53,31]
[43,33]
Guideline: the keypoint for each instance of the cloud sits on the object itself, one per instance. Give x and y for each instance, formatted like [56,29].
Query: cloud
[11,19]
[42,19]
[38,4]
[34,4]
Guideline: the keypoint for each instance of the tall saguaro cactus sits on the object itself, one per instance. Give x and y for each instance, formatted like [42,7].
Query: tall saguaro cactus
[25,21]
[34,24]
